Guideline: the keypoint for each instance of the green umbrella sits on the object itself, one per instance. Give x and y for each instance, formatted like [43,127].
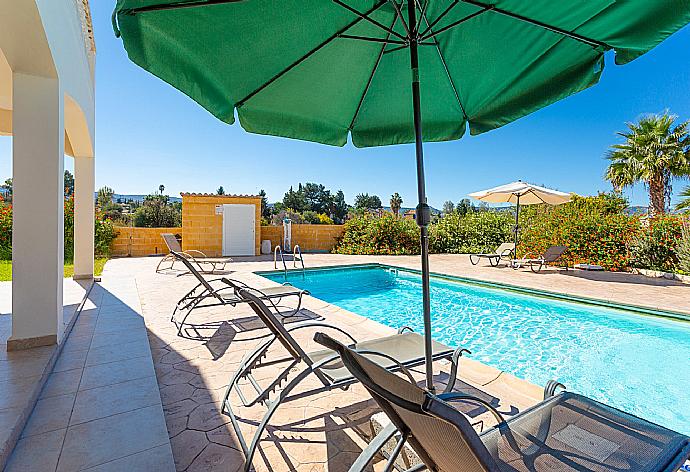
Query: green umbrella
[318,70]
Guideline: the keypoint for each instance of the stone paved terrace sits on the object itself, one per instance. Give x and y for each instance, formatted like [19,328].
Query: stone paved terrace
[23,373]
[317,433]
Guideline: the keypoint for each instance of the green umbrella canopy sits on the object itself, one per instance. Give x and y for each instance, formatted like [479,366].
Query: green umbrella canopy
[303,70]
[317,70]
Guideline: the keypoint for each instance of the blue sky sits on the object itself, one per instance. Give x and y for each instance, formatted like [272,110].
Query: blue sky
[148,134]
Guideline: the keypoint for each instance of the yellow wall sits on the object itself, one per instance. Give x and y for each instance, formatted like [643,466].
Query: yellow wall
[203,229]
[310,238]
[139,242]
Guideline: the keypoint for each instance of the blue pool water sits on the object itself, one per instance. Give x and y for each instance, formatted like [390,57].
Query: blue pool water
[638,363]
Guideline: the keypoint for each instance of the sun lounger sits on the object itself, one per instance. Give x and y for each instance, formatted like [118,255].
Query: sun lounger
[225,291]
[537,262]
[203,263]
[505,252]
[397,353]
[565,432]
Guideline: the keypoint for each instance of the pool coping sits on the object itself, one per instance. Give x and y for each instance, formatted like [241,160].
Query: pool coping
[637,309]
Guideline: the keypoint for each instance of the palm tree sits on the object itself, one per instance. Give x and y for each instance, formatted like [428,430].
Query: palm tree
[396,203]
[684,204]
[654,152]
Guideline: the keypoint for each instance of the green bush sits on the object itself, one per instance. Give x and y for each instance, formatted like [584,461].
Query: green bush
[683,251]
[595,229]
[655,246]
[472,232]
[368,234]
[315,218]
[5,231]
[104,232]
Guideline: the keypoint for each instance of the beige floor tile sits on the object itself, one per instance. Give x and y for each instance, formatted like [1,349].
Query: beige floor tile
[115,372]
[70,360]
[14,392]
[49,414]
[116,352]
[109,400]
[106,439]
[37,453]
[59,383]
[157,459]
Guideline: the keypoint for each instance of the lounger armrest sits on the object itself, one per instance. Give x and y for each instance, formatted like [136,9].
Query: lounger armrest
[194,251]
[551,387]
[317,324]
[234,282]
[463,397]
[403,369]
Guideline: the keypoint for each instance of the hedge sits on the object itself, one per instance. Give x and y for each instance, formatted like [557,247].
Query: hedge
[474,232]
[103,228]
[388,234]
[597,230]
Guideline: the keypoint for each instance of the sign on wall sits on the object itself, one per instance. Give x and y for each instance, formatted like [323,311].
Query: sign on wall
[219,209]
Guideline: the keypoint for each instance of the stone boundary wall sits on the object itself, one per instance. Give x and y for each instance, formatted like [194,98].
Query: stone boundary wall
[138,242]
[311,238]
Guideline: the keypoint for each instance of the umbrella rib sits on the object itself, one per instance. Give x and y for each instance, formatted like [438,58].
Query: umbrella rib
[371,78]
[431,33]
[445,67]
[309,54]
[422,12]
[365,16]
[177,5]
[439,17]
[402,20]
[553,29]
[373,40]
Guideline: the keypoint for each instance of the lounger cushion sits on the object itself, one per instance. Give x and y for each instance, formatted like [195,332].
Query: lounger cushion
[279,291]
[406,348]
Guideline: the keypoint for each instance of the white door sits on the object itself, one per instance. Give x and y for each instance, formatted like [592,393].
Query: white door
[239,230]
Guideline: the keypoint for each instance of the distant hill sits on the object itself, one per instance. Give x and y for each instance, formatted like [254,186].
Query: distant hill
[137,198]
[637,210]
[434,211]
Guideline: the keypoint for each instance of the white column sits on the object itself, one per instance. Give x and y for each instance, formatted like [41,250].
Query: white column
[38,199]
[84,186]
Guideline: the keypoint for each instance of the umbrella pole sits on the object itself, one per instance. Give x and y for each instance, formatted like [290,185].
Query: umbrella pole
[517,214]
[423,214]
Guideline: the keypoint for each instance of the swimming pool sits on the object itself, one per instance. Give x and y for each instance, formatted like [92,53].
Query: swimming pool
[640,364]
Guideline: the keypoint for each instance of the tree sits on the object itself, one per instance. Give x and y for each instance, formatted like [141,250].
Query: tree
[220,191]
[448,207]
[317,197]
[367,202]
[655,152]
[339,207]
[6,190]
[684,204]
[161,188]
[396,203]
[104,196]
[464,207]
[296,200]
[265,210]
[69,184]
[158,212]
